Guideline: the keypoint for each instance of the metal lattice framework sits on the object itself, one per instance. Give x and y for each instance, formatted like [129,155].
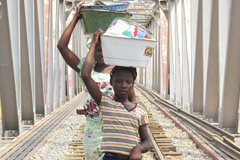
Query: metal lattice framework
[195,65]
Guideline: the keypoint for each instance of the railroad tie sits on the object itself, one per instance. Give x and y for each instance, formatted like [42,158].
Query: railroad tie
[164,143]
[75,149]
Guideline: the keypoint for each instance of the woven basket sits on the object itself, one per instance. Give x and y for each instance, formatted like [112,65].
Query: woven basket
[95,19]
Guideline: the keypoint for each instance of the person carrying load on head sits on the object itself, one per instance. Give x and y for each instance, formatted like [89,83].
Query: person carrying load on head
[125,134]
[101,74]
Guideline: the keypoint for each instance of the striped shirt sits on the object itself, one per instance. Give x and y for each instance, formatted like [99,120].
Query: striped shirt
[120,126]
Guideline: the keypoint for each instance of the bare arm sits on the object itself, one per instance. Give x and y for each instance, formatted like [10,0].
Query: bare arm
[70,58]
[144,146]
[91,85]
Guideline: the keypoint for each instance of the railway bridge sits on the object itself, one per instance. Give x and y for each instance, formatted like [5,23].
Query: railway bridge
[195,65]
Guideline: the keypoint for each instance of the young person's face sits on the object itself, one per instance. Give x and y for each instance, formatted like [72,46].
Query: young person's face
[98,54]
[122,83]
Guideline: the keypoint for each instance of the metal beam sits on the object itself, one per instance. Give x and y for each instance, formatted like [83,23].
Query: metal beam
[167,96]
[160,57]
[211,59]
[154,56]
[178,75]
[62,26]
[39,54]
[50,61]
[228,117]
[143,10]
[171,37]
[197,41]
[56,57]
[141,21]
[9,86]
[185,62]
[26,42]
[141,14]
[141,18]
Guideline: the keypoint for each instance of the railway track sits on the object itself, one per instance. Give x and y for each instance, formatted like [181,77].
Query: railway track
[28,142]
[220,141]
[162,145]
[75,149]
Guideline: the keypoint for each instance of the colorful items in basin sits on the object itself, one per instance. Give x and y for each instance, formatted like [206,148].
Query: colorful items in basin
[126,28]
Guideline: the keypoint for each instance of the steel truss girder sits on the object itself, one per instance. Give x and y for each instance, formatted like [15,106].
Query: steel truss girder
[211,60]
[27,61]
[9,68]
[39,57]
[229,100]
[197,55]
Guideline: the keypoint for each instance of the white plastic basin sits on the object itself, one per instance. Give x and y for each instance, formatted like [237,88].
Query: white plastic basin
[127,52]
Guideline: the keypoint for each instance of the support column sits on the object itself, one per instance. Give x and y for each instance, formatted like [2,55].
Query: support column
[71,70]
[77,51]
[185,62]
[62,26]
[171,26]
[9,86]
[168,57]
[39,54]
[211,59]
[178,75]
[228,117]
[154,56]
[197,55]
[160,59]
[66,77]
[140,77]
[56,57]
[50,61]
[157,52]
[26,44]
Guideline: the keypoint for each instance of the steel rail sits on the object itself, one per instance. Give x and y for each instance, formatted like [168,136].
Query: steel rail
[155,146]
[214,129]
[220,140]
[215,139]
[26,143]
[161,144]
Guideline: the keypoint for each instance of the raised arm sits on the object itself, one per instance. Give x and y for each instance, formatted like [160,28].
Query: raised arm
[91,85]
[70,58]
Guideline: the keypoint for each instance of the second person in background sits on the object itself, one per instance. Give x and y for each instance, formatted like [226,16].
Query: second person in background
[101,74]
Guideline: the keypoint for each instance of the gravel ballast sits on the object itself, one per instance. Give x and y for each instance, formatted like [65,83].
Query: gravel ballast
[180,139]
[56,146]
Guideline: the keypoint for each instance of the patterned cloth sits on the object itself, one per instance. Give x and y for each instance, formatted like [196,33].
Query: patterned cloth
[120,126]
[92,138]
[103,82]
[93,128]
